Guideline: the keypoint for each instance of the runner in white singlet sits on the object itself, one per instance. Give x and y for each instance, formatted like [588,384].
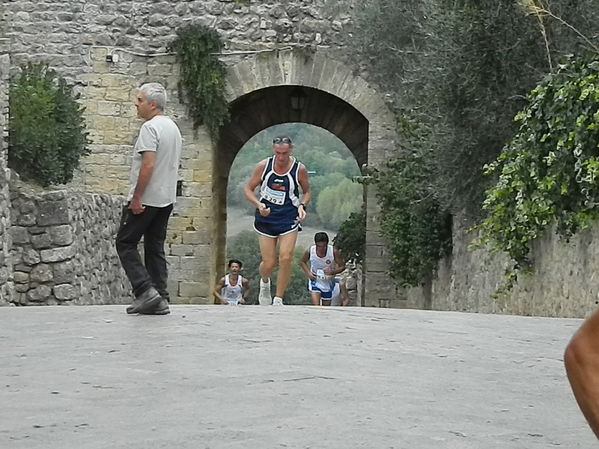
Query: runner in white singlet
[233,288]
[325,262]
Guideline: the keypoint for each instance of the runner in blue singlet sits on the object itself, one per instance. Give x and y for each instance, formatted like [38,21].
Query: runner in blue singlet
[279,211]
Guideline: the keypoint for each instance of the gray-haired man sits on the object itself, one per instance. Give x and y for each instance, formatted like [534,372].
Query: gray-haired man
[152,193]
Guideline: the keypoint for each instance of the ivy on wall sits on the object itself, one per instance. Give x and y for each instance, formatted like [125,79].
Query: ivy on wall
[47,133]
[415,225]
[202,81]
[351,237]
[549,172]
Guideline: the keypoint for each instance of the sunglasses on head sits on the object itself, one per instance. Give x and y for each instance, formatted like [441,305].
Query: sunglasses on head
[286,140]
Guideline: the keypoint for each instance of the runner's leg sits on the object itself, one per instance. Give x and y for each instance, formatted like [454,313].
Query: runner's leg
[268,250]
[286,247]
[315,298]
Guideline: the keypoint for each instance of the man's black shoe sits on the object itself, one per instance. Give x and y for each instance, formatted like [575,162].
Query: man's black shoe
[146,302]
[160,309]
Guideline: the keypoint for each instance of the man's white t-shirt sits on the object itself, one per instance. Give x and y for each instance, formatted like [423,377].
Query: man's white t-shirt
[161,135]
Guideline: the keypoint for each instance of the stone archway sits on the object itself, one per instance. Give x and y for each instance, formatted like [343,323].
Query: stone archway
[259,90]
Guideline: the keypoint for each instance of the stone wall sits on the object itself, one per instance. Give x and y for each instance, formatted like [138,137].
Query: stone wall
[63,247]
[6,284]
[63,35]
[565,281]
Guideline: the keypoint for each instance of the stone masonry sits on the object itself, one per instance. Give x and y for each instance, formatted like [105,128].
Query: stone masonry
[6,284]
[63,247]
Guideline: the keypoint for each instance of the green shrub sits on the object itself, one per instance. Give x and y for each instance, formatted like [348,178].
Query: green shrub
[414,223]
[548,173]
[47,135]
[351,237]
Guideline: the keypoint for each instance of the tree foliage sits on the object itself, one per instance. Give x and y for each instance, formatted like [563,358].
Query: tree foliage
[415,225]
[351,237]
[458,72]
[336,203]
[462,69]
[202,82]
[328,160]
[47,134]
[549,172]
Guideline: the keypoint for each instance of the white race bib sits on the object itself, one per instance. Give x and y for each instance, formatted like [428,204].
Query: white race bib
[274,196]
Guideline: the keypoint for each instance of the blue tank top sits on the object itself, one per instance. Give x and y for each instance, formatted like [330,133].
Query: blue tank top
[280,192]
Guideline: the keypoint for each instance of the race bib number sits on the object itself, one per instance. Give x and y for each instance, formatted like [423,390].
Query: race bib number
[274,196]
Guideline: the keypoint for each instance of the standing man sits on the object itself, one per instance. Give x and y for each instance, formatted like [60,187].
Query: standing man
[152,193]
[325,263]
[279,211]
[232,288]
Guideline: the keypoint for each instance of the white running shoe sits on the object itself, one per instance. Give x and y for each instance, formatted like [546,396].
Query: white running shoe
[277,301]
[264,297]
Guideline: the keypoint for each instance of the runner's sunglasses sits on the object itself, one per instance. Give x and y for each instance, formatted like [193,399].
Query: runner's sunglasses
[286,140]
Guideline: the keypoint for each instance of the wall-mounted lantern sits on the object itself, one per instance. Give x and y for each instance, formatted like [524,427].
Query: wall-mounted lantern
[297,99]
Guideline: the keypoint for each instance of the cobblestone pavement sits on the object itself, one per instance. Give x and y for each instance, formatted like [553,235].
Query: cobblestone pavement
[291,377]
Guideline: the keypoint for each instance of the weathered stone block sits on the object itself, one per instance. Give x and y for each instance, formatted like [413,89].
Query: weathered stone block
[65,292]
[61,235]
[30,257]
[26,219]
[41,273]
[187,289]
[57,254]
[196,237]
[21,277]
[53,213]
[4,275]
[19,234]
[181,250]
[22,288]
[39,294]
[41,241]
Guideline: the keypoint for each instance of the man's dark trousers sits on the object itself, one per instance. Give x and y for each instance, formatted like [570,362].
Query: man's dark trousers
[151,224]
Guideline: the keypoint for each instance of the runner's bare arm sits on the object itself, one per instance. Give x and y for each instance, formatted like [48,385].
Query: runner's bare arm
[254,182]
[306,193]
[217,288]
[246,290]
[339,262]
[304,265]
[582,366]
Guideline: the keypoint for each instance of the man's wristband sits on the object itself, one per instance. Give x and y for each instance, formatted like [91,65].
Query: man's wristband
[303,205]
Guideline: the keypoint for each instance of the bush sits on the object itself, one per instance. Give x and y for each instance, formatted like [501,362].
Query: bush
[414,223]
[548,172]
[47,135]
[351,238]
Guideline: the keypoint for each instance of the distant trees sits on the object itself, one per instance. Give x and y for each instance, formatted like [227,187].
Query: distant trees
[336,203]
[330,164]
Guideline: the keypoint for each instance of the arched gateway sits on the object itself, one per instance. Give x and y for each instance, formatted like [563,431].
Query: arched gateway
[260,89]
[292,86]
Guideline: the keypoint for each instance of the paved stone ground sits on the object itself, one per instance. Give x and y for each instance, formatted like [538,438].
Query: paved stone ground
[253,377]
